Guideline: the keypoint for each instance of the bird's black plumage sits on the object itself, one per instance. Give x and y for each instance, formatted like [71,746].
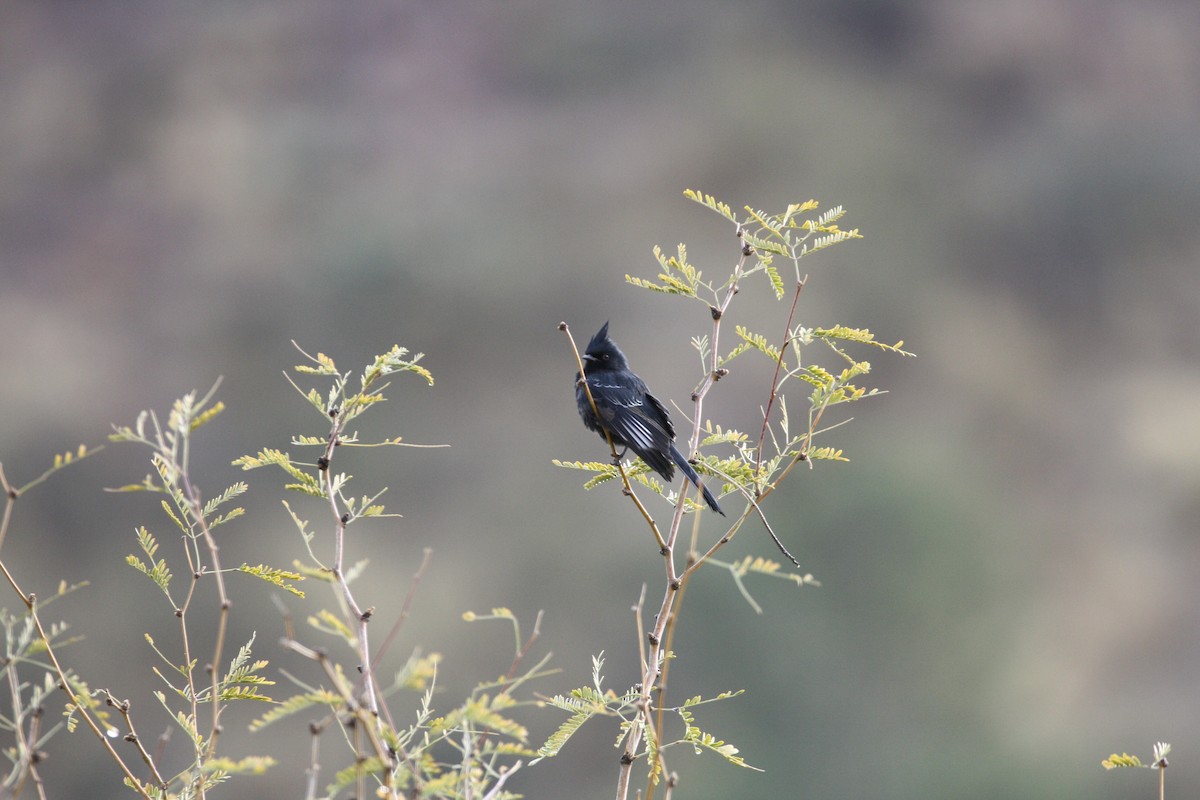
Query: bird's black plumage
[632,416]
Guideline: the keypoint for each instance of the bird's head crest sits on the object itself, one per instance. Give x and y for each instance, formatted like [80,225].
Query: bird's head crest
[598,340]
[602,352]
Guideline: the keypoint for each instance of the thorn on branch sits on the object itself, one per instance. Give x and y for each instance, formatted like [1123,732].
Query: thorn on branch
[366,615]
[334,411]
[346,518]
[716,312]
[562,326]
[650,637]
[626,759]
[322,463]
[747,249]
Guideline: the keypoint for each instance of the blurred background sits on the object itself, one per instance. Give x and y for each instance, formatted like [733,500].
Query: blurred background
[1007,564]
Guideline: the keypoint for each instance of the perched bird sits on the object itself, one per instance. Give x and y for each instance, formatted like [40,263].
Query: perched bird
[634,418]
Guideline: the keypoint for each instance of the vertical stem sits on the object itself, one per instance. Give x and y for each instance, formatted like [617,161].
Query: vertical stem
[369,725]
[339,545]
[652,681]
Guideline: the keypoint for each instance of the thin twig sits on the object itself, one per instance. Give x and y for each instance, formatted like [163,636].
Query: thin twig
[25,756]
[122,706]
[64,681]
[426,556]
[499,784]
[787,338]
[314,762]
[733,530]
[537,631]
[11,494]
[405,608]
[369,721]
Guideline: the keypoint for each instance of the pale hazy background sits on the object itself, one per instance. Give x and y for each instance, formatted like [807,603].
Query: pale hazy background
[1009,562]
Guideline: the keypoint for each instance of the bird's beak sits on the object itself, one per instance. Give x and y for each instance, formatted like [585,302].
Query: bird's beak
[588,357]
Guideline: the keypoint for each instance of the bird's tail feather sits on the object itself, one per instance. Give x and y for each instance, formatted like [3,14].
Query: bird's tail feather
[683,464]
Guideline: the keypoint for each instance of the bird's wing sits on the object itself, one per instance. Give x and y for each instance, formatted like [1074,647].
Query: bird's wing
[633,416]
[658,410]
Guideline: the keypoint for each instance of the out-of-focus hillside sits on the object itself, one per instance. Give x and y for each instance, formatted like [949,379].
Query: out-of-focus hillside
[1008,560]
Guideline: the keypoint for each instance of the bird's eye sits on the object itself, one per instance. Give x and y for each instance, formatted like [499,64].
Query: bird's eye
[605,356]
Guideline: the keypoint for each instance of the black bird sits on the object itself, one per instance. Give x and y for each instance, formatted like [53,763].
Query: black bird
[634,418]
